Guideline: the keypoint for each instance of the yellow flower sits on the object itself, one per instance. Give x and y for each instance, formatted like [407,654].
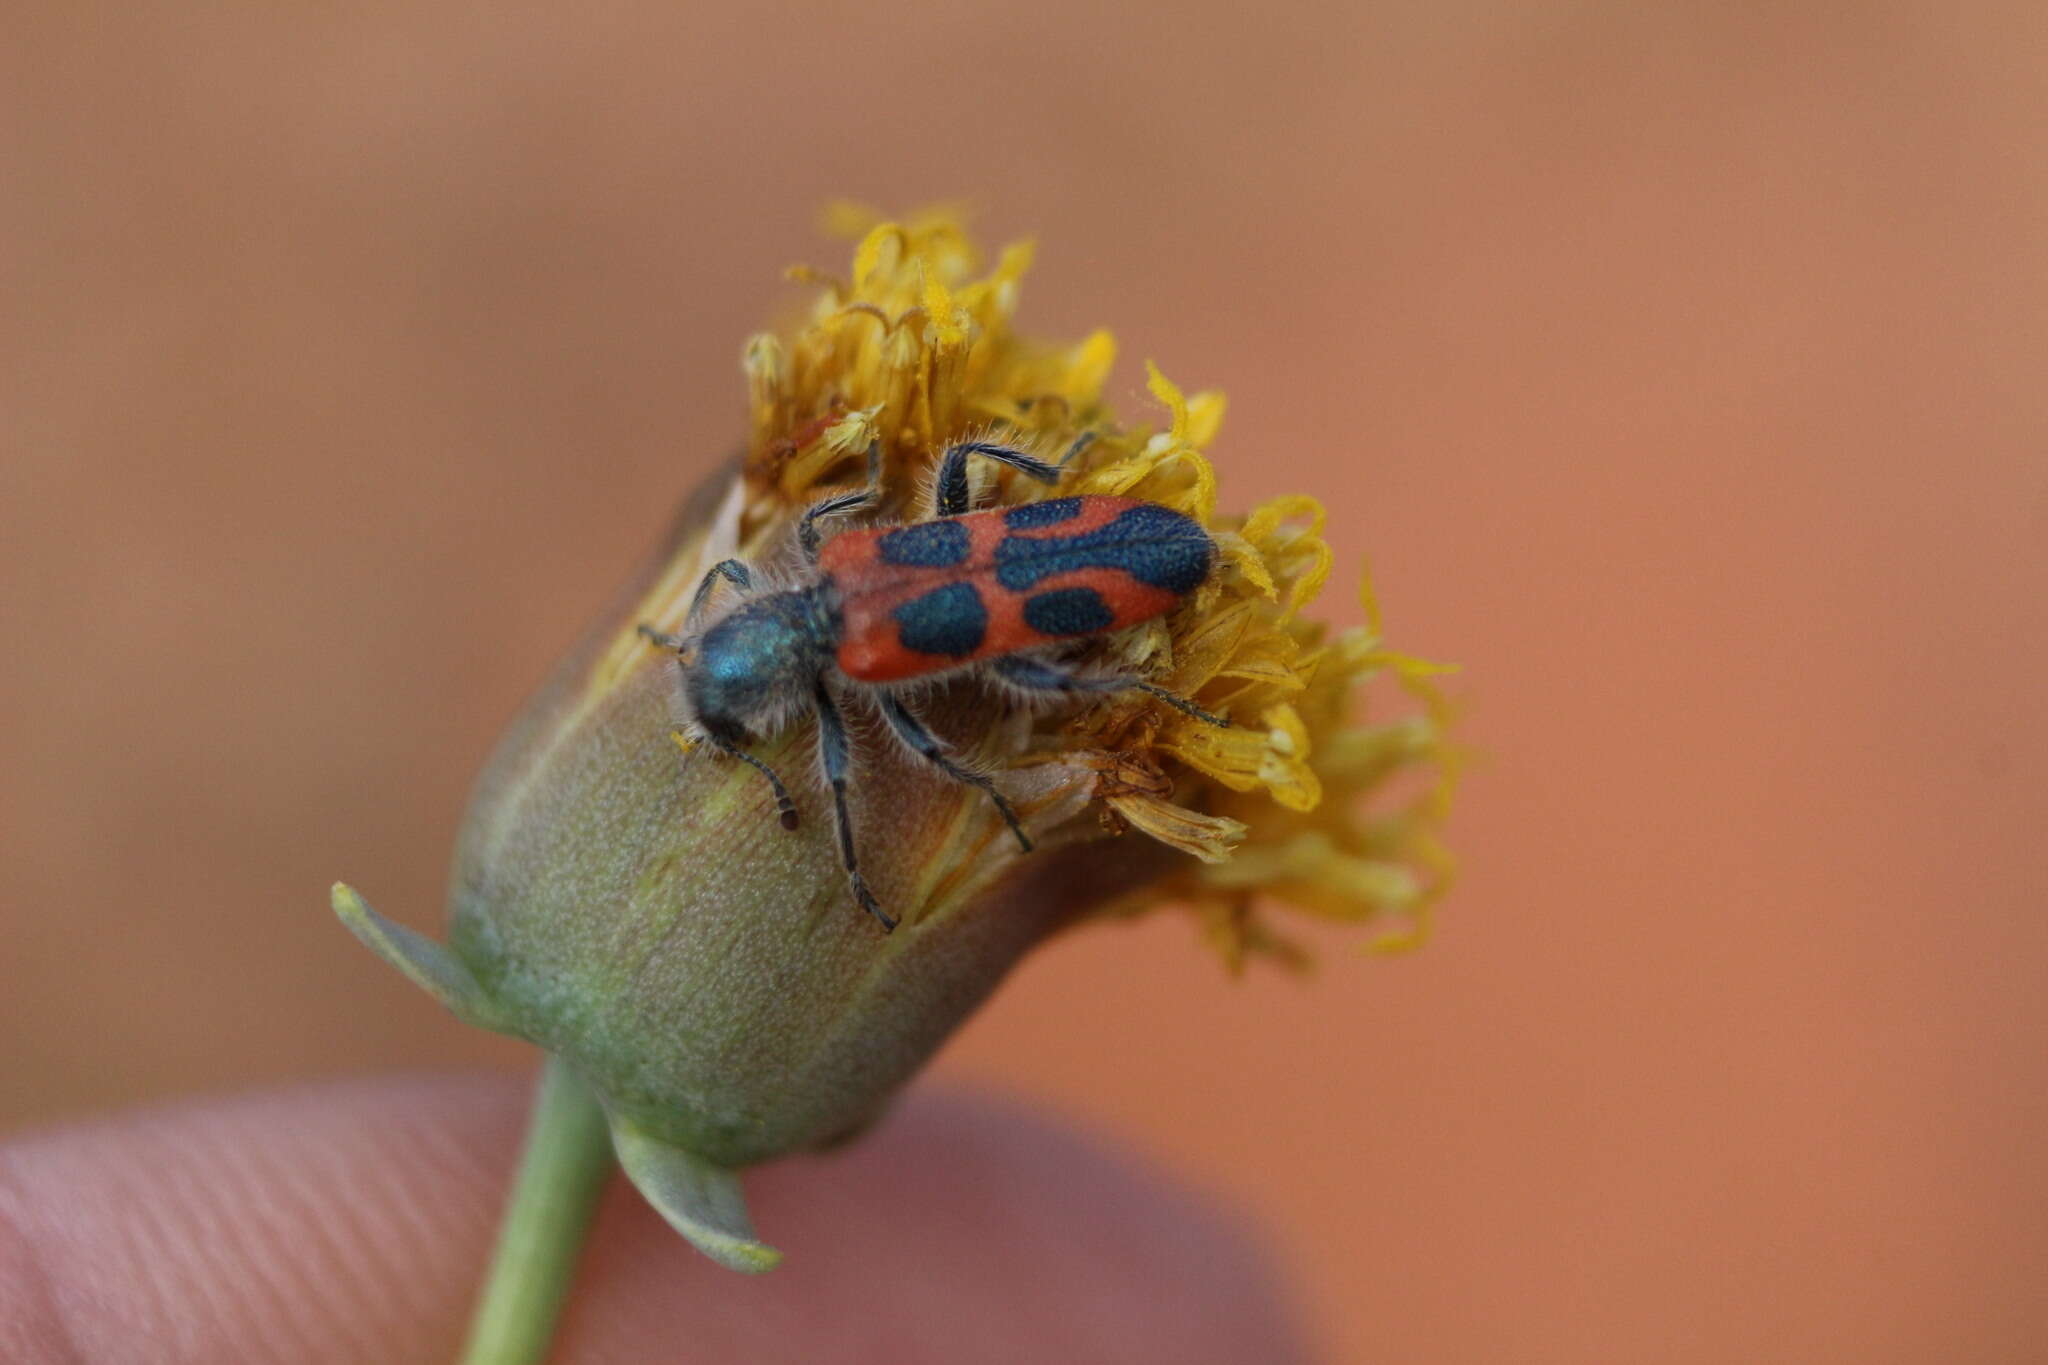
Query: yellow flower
[915,347]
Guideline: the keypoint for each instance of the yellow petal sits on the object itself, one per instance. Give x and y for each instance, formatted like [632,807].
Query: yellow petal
[1284,767]
[1089,366]
[1302,556]
[1207,837]
[939,310]
[1370,600]
[1205,417]
[767,369]
[1245,759]
[1269,670]
[1207,645]
[1241,555]
[1166,392]
[868,258]
[1234,929]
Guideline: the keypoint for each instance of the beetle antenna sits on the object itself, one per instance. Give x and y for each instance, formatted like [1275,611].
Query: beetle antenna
[1081,443]
[1180,704]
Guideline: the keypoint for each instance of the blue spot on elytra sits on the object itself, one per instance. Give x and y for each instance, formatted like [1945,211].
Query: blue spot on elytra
[1067,611]
[925,545]
[949,620]
[1051,512]
[1155,545]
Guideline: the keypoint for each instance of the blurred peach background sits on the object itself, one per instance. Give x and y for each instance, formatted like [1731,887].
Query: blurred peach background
[1678,367]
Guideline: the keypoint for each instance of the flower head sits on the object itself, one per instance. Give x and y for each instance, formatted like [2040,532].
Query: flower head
[641,912]
[916,348]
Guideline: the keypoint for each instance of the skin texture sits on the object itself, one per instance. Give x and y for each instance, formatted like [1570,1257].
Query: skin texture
[347,1222]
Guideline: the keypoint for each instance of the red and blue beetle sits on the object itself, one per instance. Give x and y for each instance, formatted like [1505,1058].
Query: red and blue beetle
[1001,590]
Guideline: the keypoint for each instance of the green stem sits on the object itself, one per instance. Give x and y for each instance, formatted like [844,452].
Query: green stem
[568,1155]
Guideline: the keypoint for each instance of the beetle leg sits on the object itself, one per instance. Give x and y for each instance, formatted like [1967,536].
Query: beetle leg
[666,641]
[927,746]
[784,807]
[807,534]
[951,489]
[1037,675]
[832,752]
[732,571]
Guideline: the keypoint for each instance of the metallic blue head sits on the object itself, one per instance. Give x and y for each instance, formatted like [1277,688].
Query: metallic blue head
[759,658]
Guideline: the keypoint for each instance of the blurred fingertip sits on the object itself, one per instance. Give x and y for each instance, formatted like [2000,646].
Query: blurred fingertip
[350,1222]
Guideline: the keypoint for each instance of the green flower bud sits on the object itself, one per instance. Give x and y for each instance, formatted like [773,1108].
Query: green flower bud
[641,913]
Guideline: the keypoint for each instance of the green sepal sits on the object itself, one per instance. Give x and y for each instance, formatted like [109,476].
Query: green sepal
[701,1201]
[429,965]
